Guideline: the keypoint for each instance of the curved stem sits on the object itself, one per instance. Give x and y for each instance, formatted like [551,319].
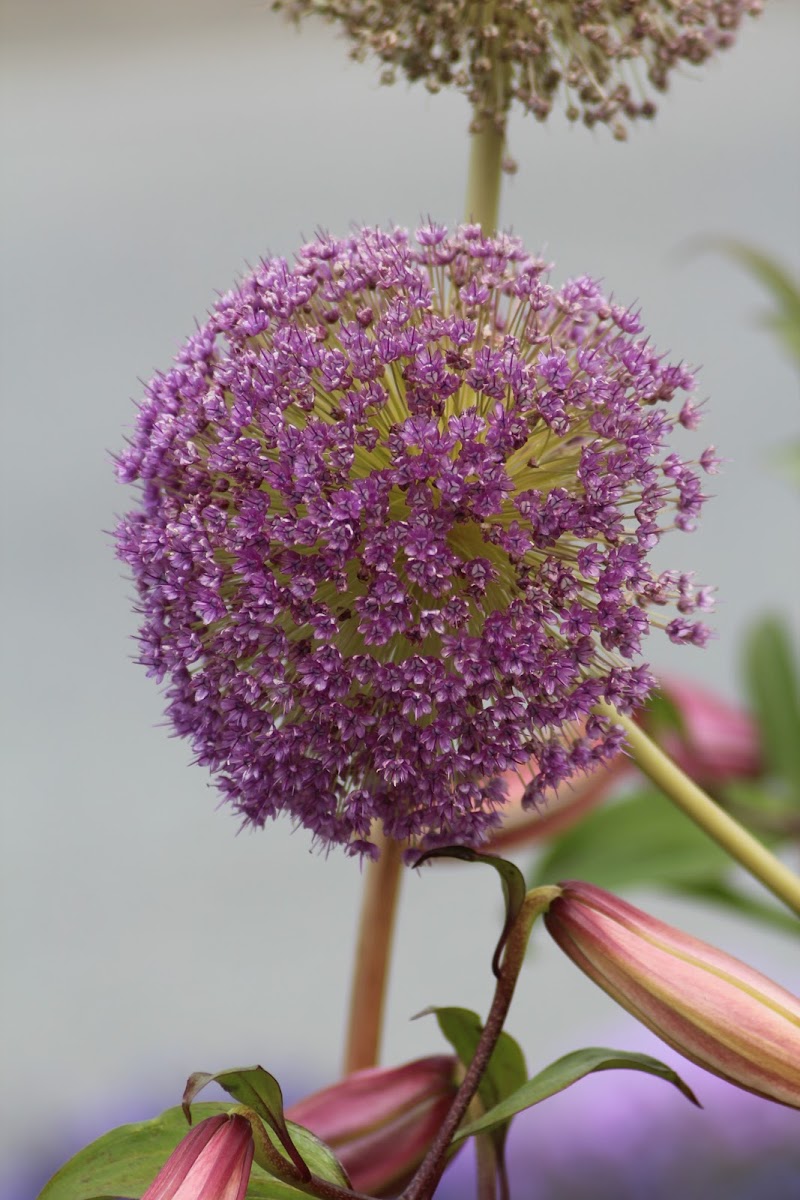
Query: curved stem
[373,949]
[700,808]
[430,1172]
[485,174]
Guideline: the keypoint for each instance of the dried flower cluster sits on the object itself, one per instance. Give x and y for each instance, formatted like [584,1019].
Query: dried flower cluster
[600,54]
[396,511]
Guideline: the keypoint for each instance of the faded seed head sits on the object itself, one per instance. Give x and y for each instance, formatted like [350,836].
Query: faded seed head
[601,56]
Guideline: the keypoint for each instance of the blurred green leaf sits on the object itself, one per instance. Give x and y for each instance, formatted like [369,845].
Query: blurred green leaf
[661,715]
[721,893]
[771,680]
[642,839]
[124,1162]
[787,461]
[784,320]
[566,1071]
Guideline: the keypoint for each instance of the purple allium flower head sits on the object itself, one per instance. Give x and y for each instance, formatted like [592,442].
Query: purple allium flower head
[397,502]
[598,54]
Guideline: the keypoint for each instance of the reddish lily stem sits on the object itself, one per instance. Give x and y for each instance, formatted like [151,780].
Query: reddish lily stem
[424,1183]
[373,951]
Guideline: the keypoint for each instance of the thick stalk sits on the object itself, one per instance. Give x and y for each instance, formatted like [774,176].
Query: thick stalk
[373,950]
[700,808]
[485,174]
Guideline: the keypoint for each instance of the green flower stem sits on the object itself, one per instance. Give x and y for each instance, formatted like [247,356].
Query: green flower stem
[373,952]
[424,1183]
[700,808]
[485,175]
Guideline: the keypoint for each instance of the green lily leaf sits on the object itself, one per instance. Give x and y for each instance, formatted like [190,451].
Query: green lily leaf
[662,715]
[719,892]
[511,878]
[784,320]
[564,1072]
[261,1092]
[125,1161]
[505,1072]
[773,687]
[642,839]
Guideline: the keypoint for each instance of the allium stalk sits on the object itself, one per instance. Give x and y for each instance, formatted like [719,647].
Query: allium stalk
[397,506]
[684,793]
[707,1005]
[602,58]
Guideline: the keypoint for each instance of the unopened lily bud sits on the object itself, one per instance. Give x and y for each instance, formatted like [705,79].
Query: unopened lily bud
[211,1163]
[381,1122]
[707,1005]
[717,741]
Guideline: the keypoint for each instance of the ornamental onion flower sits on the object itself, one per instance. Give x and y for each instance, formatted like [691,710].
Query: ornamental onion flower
[598,54]
[381,1122]
[212,1162]
[397,502]
[707,1005]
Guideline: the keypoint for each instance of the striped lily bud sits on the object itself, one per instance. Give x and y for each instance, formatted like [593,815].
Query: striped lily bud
[211,1163]
[707,1005]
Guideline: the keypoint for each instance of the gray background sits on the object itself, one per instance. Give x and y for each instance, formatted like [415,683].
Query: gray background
[155,149]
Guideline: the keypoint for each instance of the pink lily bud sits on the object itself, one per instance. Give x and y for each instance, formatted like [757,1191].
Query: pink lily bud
[707,1005]
[717,741]
[211,1163]
[381,1122]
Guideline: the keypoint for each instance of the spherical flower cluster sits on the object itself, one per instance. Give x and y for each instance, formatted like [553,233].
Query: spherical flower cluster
[532,50]
[397,502]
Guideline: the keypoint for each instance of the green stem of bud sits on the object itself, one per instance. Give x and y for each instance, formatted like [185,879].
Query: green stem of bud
[700,808]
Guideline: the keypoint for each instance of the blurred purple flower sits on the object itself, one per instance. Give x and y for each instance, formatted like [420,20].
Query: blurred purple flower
[620,1135]
[393,539]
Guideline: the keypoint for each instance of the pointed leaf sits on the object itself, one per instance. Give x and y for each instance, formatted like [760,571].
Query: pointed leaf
[566,1071]
[641,839]
[505,1071]
[785,291]
[260,1091]
[125,1161]
[511,877]
[771,677]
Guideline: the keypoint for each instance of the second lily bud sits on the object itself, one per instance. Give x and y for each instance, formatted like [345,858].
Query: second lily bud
[381,1122]
[704,1003]
[212,1162]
